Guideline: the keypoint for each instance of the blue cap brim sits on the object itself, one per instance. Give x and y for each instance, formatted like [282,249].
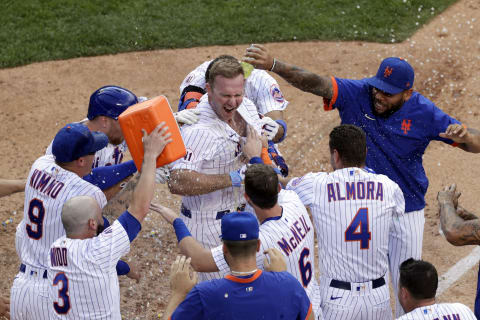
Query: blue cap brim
[383,86]
[100,141]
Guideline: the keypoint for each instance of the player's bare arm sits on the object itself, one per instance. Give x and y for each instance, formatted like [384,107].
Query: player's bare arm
[259,57]
[11,186]
[201,258]
[181,282]
[119,203]
[193,183]
[468,139]
[458,230]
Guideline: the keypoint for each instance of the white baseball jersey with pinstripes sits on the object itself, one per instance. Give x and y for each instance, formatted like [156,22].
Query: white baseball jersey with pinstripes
[84,276]
[352,211]
[48,187]
[260,87]
[110,155]
[293,235]
[441,311]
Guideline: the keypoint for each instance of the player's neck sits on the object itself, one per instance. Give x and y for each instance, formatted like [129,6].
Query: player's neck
[244,266]
[422,303]
[263,214]
[72,168]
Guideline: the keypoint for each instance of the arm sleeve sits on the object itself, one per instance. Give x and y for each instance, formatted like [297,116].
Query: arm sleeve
[105,177]
[399,200]
[346,93]
[440,122]
[218,257]
[303,186]
[265,92]
[122,268]
[200,145]
[190,308]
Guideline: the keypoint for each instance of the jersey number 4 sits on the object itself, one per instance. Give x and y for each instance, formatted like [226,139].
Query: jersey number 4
[358,230]
[36,214]
[64,307]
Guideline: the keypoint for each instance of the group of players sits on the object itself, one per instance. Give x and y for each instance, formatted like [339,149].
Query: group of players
[240,212]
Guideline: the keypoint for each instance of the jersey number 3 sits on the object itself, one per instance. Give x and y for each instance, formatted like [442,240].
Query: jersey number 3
[36,214]
[358,230]
[64,307]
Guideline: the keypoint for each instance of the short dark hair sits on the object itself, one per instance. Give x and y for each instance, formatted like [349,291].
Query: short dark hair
[224,65]
[420,278]
[241,249]
[351,143]
[261,185]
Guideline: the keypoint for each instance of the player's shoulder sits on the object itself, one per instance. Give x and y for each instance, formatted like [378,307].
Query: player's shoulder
[260,77]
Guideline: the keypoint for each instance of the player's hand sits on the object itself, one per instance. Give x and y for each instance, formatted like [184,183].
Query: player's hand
[449,194]
[187,116]
[270,127]
[162,174]
[168,214]
[456,132]
[181,282]
[155,142]
[277,261]
[258,56]
[4,307]
[253,145]
[134,272]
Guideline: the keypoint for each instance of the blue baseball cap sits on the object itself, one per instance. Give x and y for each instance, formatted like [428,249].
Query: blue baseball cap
[75,140]
[393,76]
[239,226]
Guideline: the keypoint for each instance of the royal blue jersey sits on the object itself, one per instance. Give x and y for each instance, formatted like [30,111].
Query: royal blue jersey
[395,144]
[263,295]
[477,298]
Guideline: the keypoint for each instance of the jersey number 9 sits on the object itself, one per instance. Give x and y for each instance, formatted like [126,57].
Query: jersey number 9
[36,214]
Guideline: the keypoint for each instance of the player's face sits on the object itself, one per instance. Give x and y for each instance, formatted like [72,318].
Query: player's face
[226,95]
[87,167]
[384,103]
[115,134]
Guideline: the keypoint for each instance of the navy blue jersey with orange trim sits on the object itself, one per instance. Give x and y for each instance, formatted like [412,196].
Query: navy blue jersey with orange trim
[263,295]
[396,144]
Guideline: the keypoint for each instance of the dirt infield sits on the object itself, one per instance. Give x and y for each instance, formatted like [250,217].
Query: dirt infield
[39,99]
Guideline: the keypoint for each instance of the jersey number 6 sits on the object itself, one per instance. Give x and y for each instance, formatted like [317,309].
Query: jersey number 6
[305,267]
[36,213]
[358,230]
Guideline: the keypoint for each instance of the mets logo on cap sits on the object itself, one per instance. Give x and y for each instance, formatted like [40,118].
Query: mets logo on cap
[276,93]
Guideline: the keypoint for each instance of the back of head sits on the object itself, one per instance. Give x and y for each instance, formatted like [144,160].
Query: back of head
[261,185]
[224,65]
[351,143]
[76,212]
[110,101]
[420,278]
[240,234]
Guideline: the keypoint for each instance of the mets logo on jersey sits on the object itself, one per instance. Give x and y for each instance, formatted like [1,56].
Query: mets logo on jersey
[406,125]
[276,93]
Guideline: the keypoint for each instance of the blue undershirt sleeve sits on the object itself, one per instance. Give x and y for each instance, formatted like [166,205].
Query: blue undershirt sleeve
[106,177]
[130,224]
[122,268]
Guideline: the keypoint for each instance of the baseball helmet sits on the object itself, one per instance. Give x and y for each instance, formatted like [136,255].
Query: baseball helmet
[110,101]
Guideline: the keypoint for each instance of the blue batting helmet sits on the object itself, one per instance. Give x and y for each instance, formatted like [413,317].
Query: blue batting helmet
[110,101]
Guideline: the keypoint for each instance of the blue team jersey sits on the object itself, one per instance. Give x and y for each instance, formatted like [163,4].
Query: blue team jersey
[477,298]
[264,295]
[395,145]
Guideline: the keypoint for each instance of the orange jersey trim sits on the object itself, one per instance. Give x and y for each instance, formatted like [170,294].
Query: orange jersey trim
[244,280]
[328,104]
[309,312]
[265,157]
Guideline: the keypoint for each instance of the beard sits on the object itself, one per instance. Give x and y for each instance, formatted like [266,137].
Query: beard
[391,109]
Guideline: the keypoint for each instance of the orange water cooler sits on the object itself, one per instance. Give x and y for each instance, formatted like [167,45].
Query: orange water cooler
[147,115]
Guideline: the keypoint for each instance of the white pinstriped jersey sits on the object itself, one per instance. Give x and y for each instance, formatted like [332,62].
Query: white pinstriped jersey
[110,155]
[293,235]
[213,147]
[441,311]
[260,87]
[84,276]
[352,211]
[48,188]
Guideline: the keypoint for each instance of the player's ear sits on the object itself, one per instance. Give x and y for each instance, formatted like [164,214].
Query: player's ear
[407,94]
[258,245]
[208,87]
[92,224]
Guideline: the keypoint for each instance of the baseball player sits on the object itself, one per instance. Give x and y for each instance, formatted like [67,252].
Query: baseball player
[460,226]
[284,225]
[209,177]
[417,289]
[81,264]
[352,209]
[246,292]
[399,123]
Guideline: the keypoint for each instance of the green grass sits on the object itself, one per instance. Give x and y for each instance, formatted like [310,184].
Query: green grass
[39,30]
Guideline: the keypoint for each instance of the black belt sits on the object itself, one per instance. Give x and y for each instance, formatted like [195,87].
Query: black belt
[24,267]
[377,283]
[187,213]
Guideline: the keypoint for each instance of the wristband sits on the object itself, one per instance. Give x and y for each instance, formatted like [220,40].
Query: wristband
[273,65]
[255,160]
[236,179]
[181,230]
[284,126]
